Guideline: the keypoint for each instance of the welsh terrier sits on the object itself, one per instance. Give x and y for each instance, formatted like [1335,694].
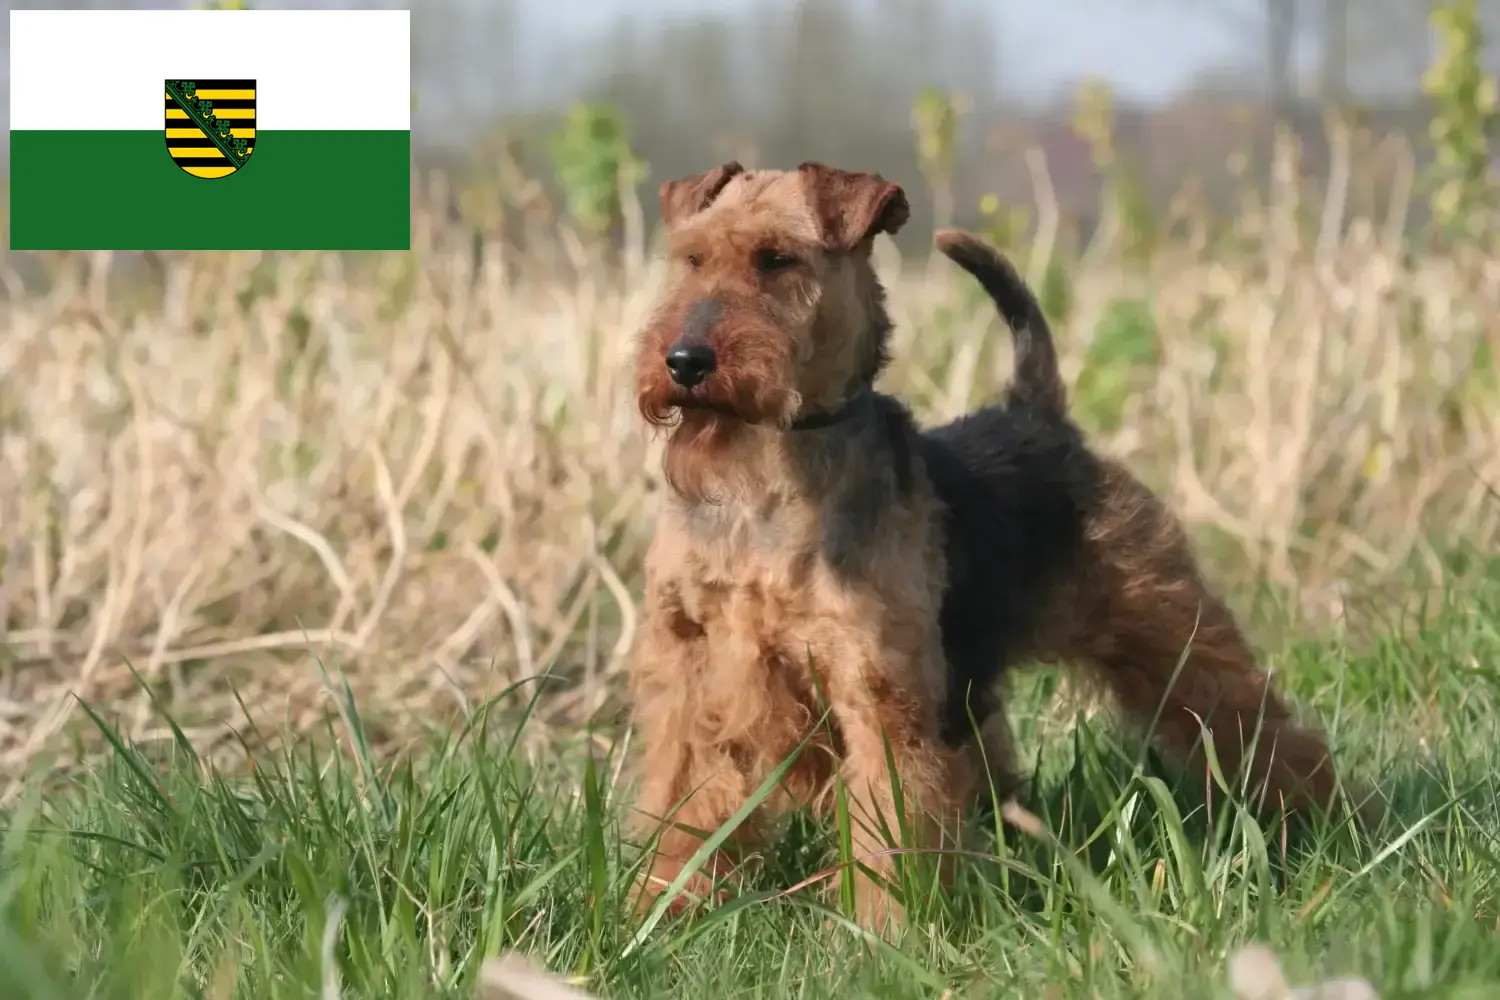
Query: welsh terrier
[816,548]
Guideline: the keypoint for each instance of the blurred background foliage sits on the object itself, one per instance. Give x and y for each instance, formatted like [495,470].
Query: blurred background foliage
[1130,101]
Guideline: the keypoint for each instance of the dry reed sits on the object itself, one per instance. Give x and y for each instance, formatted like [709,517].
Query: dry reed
[426,470]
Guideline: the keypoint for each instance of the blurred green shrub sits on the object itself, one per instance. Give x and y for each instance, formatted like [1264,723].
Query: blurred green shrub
[594,165]
[1466,108]
[1119,363]
[934,118]
[1124,195]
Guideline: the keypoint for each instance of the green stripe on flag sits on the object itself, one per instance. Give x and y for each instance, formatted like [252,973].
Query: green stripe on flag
[121,191]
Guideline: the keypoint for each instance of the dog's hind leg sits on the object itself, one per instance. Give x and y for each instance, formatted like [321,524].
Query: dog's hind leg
[1172,654]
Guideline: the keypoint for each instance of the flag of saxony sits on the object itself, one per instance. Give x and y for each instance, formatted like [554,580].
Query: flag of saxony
[209,130]
[210,125]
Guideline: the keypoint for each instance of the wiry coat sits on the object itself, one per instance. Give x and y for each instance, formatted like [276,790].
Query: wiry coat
[817,550]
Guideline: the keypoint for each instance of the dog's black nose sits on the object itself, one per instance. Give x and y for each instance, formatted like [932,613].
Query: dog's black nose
[691,364]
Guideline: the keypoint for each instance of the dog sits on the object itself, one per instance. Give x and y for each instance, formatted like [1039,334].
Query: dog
[826,575]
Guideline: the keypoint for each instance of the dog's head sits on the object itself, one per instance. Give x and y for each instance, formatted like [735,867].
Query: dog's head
[773,311]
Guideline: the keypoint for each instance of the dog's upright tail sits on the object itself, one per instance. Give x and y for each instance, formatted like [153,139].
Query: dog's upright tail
[1037,379]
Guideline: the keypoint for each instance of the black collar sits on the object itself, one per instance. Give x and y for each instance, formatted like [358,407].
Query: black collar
[827,418]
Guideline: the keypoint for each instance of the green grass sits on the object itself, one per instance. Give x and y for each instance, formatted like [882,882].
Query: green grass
[155,876]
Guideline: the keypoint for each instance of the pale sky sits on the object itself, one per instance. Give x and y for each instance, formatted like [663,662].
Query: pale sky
[1147,48]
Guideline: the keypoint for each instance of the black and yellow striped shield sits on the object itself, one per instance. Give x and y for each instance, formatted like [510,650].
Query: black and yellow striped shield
[210,125]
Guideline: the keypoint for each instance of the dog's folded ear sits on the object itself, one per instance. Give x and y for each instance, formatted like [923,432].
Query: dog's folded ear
[853,207]
[687,196]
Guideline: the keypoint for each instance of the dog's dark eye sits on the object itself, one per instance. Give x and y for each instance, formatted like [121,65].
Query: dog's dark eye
[770,261]
[695,260]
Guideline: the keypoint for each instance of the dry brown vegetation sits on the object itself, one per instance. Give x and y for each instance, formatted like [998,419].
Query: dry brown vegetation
[426,470]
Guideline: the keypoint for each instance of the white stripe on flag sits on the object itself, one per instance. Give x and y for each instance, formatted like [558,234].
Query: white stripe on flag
[324,70]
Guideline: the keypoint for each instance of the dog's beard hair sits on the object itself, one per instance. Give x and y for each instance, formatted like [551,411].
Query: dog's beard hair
[701,424]
[754,387]
[688,463]
[688,402]
[751,385]
[664,404]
